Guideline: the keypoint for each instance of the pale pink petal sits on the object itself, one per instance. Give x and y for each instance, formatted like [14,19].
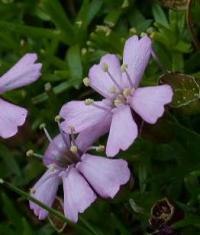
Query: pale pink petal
[45,191]
[79,116]
[87,137]
[24,72]
[78,195]
[11,116]
[103,174]
[56,150]
[123,131]
[100,81]
[136,56]
[149,102]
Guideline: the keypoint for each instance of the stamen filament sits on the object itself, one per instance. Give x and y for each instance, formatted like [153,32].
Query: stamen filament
[31,153]
[42,126]
[124,69]
[115,82]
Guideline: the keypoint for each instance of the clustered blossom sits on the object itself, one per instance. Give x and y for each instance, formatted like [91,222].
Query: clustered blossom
[24,72]
[84,176]
[122,97]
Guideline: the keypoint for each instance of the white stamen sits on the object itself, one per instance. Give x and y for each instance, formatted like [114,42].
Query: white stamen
[43,126]
[58,118]
[124,68]
[31,153]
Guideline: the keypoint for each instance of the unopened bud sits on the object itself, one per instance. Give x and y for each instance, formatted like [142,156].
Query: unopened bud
[47,86]
[79,23]
[133,30]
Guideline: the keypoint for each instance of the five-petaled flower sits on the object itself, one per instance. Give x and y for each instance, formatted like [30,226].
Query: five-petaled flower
[119,86]
[84,176]
[24,72]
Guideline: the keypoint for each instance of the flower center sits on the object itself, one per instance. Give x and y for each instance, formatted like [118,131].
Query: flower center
[122,98]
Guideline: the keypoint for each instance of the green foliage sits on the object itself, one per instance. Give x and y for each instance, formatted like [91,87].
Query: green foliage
[69,37]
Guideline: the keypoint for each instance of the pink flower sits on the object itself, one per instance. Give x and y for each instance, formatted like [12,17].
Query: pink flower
[24,72]
[119,86]
[84,176]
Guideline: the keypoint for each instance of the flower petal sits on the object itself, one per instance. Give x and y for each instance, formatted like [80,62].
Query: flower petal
[87,137]
[79,116]
[149,102]
[103,174]
[78,195]
[100,80]
[123,131]
[45,190]
[11,116]
[56,150]
[24,72]
[136,56]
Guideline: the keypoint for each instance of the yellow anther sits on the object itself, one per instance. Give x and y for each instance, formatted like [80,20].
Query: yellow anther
[105,67]
[83,51]
[1,181]
[124,68]
[117,102]
[133,30]
[74,149]
[47,86]
[100,148]
[89,101]
[33,190]
[42,126]
[113,90]
[127,92]
[143,34]
[86,81]
[58,118]
[30,153]
[79,23]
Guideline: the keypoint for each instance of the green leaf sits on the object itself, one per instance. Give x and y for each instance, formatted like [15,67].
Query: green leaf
[60,19]
[185,87]
[74,63]
[159,15]
[31,31]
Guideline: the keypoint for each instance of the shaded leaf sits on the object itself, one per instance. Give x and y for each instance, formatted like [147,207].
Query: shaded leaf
[185,87]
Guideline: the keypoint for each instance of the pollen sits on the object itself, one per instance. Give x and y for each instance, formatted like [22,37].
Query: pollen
[105,67]
[124,68]
[126,92]
[74,149]
[89,101]
[86,81]
[117,102]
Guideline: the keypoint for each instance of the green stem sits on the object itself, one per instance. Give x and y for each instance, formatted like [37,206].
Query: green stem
[49,209]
